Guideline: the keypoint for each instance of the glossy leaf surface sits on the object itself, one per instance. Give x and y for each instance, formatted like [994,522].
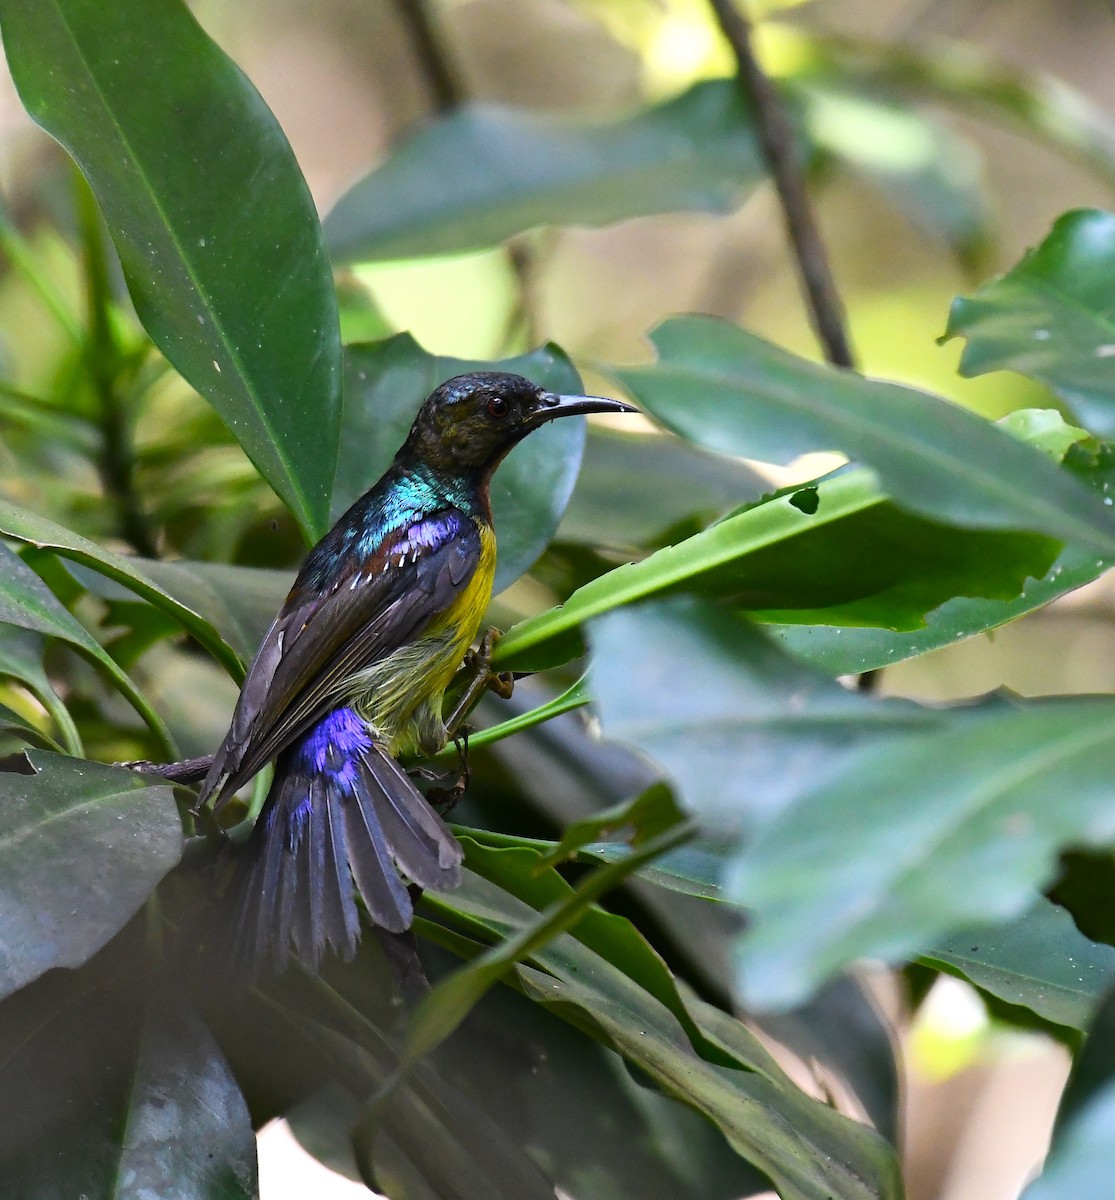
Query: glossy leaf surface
[82,845]
[1040,961]
[1052,317]
[113,1087]
[730,391]
[213,221]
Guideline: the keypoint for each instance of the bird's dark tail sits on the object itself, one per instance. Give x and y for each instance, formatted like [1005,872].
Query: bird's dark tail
[341,816]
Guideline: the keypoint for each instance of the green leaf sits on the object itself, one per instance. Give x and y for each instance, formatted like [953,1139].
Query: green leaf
[846,650]
[18,726]
[739,728]
[733,392]
[576,1108]
[21,659]
[843,650]
[484,173]
[116,1089]
[385,384]
[1051,318]
[932,176]
[919,837]
[551,637]
[432,1140]
[1080,1159]
[601,985]
[1040,961]
[215,226]
[692,870]
[132,574]
[635,487]
[442,1011]
[849,557]
[239,603]
[647,816]
[26,602]
[82,846]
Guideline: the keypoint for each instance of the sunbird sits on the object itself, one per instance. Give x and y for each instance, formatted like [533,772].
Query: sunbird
[352,675]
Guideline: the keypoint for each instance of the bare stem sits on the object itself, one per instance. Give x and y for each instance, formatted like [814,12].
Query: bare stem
[776,139]
[446,90]
[188,770]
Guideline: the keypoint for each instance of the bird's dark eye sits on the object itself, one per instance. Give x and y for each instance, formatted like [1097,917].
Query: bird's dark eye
[497,407]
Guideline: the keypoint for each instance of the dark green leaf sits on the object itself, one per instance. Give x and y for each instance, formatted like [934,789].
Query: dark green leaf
[21,659]
[18,726]
[117,1090]
[634,487]
[807,1149]
[843,1028]
[739,727]
[645,817]
[575,1107]
[842,650]
[131,572]
[1040,961]
[440,1012]
[385,384]
[552,637]
[82,846]
[484,173]
[26,602]
[1052,317]
[733,392]
[848,557]
[215,226]
[921,836]
[693,870]
[238,602]
[847,650]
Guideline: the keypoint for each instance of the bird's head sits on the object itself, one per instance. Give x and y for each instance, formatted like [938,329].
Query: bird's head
[471,421]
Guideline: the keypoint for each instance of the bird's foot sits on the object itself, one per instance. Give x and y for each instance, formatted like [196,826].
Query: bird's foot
[451,786]
[477,667]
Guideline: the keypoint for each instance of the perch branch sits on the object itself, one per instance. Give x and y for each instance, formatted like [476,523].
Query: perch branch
[776,139]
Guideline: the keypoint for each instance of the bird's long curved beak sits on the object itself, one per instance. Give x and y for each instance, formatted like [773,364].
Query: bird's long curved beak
[551,405]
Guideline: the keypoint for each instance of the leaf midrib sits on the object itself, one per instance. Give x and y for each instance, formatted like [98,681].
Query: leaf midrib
[218,326]
[936,457]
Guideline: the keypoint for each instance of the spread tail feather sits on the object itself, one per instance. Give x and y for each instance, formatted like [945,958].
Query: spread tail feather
[341,816]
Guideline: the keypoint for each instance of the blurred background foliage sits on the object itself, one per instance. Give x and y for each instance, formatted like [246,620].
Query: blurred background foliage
[940,140]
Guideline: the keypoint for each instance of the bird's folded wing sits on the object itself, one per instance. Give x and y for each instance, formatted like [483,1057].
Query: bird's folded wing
[317,643]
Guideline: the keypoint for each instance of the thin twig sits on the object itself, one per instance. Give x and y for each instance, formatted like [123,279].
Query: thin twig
[776,139]
[188,770]
[447,92]
[446,89]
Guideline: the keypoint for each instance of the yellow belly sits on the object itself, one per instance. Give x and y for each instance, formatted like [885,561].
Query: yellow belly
[400,697]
